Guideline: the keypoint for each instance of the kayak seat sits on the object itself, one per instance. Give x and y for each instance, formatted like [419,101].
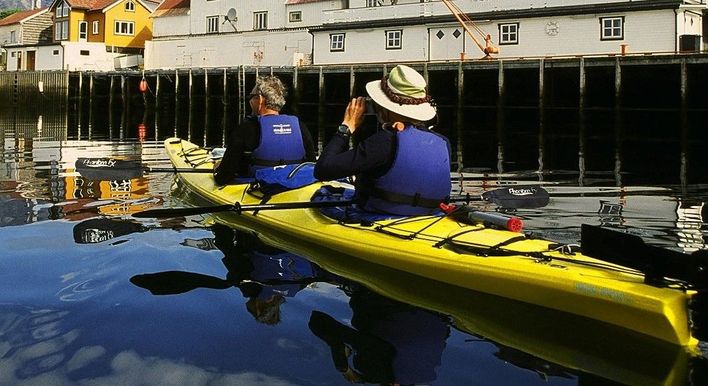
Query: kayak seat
[348,214]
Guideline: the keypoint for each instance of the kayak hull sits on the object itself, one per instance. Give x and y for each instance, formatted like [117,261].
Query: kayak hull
[528,270]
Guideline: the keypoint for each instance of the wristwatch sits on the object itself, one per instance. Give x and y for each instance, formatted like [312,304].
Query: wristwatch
[343,130]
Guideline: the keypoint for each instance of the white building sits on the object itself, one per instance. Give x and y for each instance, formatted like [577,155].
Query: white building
[411,30]
[220,33]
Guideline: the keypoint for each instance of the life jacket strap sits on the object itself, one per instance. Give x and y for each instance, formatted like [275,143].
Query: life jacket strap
[398,198]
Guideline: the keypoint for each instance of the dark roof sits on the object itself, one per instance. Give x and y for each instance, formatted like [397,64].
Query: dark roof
[19,16]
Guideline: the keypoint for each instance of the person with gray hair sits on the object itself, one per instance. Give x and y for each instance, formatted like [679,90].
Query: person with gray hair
[266,138]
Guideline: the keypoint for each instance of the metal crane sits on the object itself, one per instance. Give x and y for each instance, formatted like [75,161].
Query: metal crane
[467,24]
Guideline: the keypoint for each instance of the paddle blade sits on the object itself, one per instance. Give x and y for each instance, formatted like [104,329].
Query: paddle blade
[518,197]
[182,212]
[177,282]
[108,169]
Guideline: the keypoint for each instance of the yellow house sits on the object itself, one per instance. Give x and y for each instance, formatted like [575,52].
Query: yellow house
[122,25]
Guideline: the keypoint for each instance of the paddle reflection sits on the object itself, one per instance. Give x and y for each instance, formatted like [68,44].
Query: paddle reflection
[264,274]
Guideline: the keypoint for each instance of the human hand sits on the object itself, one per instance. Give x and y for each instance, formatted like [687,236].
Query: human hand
[354,114]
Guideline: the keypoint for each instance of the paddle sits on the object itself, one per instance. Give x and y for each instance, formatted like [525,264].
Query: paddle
[115,169]
[516,197]
[655,262]
[178,282]
[238,208]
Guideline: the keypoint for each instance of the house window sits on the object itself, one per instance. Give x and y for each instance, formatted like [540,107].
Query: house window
[509,33]
[260,20]
[336,42]
[94,27]
[212,24]
[130,6]
[61,30]
[63,10]
[612,28]
[295,16]
[83,30]
[374,3]
[55,52]
[124,28]
[393,39]
[84,53]
[13,36]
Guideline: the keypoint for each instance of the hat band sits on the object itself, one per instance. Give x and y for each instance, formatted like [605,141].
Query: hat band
[401,99]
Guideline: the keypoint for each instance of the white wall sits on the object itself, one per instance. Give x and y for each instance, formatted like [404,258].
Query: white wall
[646,31]
[278,48]
[170,25]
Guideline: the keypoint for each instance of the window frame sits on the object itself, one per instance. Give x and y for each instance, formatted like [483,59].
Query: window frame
[83,35]
[62,10]
[390,39]
[293,19]
[61,30]
[505,37]
[339,43]
[130,26]
[612,28]
[95,27]
[129,6]
[13,36]
[212,24]
[260,20]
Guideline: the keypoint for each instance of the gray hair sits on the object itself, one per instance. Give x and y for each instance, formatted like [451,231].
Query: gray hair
[272,90]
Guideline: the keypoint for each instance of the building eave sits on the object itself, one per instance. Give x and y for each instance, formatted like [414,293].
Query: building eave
[594,9]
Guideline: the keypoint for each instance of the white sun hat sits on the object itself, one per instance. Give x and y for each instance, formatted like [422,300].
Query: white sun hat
[403,92]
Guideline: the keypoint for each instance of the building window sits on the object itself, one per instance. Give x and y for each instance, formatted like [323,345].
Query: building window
[509,33]
[260,20]
[94,27]
[13,36]
[393,39]
[84,53]
[295,16]
[374,3]
[61,30]
[55,52]
[612,28]
[83,30]
[130,6]
[124,28]
[212,26]
[336,42]
[63,10]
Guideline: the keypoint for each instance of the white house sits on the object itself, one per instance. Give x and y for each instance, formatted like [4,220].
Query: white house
[20,33]
[411,30]
[221,33]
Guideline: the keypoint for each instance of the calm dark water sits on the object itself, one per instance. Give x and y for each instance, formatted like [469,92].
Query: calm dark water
[89,295]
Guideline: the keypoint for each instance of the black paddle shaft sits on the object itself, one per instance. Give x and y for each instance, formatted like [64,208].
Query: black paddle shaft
[238,208]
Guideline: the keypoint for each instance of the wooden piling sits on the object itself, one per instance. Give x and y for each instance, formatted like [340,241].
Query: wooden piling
[460,121]
[321,111]
[206,107]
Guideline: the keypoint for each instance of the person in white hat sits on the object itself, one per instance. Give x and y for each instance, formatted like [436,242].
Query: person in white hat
[404,167]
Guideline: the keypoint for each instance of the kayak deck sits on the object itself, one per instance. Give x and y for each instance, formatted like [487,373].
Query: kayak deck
[497,262]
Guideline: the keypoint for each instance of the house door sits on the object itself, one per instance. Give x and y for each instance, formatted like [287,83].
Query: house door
[83,31]
[30,60]
[19,60]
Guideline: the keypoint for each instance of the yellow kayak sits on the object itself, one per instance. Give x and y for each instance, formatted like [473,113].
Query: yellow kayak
[491,261]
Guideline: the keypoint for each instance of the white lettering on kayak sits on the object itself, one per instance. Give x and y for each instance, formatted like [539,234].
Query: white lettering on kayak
[522,192]
[282,129]
[99,163]
[595,291]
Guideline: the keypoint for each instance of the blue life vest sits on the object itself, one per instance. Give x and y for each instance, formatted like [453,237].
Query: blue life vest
[280,144]
[419,178]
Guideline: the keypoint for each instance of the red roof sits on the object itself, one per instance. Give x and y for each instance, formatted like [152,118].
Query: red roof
[19,16]
[172,7]
[90,4]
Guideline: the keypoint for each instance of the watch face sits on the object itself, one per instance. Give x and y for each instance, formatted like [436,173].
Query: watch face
[343,129]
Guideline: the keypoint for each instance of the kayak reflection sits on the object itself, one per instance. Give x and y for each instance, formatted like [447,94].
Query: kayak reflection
[387,342]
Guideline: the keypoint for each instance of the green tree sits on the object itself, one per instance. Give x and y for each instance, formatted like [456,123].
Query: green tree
[7,12]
